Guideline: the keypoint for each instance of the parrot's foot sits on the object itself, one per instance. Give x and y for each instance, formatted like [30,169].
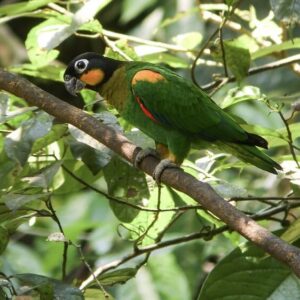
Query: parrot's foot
[159,169]
[143,153]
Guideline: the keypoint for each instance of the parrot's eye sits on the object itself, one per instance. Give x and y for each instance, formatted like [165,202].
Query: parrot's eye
[80,65]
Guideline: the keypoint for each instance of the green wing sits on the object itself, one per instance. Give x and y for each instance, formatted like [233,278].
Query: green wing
[173,102]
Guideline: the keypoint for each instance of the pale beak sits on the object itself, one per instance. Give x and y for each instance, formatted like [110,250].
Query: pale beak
[74,85]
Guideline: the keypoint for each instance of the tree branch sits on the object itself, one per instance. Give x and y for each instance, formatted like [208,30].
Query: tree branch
[199,191]
[270,66]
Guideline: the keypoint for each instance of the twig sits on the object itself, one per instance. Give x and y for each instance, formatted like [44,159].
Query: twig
[66,243]
[266,67]
[178,179]
[290,138]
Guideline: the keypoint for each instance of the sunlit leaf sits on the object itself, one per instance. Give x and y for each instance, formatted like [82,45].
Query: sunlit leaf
[23,7]
[188,40]
[15,201]
[96,294]
[240,94]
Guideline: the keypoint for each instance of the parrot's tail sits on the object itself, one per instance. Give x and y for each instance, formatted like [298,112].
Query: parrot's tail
[252,155]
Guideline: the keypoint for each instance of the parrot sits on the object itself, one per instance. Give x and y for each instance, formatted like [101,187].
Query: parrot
[173,111]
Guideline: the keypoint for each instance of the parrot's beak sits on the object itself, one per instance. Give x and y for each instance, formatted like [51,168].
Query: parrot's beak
[74,85]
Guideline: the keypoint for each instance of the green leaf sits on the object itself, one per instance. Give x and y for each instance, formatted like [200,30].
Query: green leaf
[50,288]
[4,238]
[286,10]
[246,273]
[56,133]
[189,40]
[15,201]
[166,58]
[44,177]
[18,144]
[240,94]
[127,183]
[237,57]
[130,9]
[49,72]
[96,294]
[166,273]
[23,7]
[118,276]
[287,45]
[292,234]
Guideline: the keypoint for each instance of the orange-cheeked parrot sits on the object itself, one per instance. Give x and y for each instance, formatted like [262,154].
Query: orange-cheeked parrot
[170,109]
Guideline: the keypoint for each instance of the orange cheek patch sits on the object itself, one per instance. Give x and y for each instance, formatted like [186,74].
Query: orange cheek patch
[92,77]
[147,75]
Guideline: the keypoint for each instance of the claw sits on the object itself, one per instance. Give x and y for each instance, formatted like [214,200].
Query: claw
[159,169]
[143,153]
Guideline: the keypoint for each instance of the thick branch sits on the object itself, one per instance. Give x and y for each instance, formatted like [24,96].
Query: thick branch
[177,179]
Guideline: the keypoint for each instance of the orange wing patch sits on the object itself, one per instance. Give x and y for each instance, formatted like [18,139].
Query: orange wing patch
[92,77]
[147,75]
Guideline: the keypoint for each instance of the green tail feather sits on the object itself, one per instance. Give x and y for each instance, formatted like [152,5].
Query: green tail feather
[252,155]
[248,154]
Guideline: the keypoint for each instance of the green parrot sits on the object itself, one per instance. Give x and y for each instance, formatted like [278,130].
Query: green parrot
[168,108]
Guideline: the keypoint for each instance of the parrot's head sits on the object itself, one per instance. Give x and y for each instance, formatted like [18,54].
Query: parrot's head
[88,70]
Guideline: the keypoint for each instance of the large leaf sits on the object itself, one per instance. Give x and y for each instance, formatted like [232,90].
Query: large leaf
[50,288]
[18,144]
[246,273]
[43,38]
[127,183]
[117,276]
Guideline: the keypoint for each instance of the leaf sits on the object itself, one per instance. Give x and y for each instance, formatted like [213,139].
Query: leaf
[286,10]
[50,72]
[287,45]
[166,271]
[49,287]
[166,58]
[189,40]
[130,10]
[247,274]
[228,190]
[15,201]
[237,57]
[43,38]
[23,7]
[96,294]
[118,276]
[127,183]
[18,143]
[45,176]
[240,94]
[292,234]
[4,238]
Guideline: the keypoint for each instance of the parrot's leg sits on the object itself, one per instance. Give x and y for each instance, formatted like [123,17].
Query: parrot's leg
[143,153]
[168,160]
[159,169]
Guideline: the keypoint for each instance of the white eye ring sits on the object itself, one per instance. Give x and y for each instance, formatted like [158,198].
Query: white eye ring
[80,65]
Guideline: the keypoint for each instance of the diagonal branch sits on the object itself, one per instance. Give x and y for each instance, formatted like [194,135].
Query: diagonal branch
[199,191]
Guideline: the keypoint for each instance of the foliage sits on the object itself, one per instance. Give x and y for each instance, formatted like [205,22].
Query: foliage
[69,206]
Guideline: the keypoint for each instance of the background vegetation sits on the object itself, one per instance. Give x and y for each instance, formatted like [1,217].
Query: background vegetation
[70,207]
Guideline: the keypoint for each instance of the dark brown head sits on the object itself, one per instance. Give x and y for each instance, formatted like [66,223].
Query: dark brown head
[89,70]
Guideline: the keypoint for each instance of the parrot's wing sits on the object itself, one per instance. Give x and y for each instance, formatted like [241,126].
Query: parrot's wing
[173,102]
